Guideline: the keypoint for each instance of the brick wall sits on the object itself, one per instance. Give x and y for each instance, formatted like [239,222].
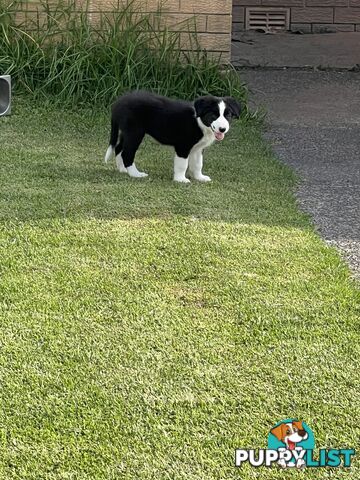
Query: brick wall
[210,18]
[310,16]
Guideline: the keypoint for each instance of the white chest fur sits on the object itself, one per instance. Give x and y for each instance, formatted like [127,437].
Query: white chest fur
[206,140]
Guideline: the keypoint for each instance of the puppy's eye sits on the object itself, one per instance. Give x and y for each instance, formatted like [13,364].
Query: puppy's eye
[288,432]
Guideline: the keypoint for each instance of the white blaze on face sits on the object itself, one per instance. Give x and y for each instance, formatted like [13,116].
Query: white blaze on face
[293,436]
[220,126]
[296,438]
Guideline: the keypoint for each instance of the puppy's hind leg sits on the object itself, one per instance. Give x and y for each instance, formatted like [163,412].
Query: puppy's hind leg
[118,157]
[132,142]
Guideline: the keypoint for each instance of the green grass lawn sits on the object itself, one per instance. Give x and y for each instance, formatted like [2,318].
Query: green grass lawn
[150,328]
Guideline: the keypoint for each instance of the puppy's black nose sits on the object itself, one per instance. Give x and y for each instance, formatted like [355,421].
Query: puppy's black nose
[222,129]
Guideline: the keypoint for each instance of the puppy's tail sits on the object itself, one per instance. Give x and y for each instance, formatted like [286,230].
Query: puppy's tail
[109,153]
[114,135]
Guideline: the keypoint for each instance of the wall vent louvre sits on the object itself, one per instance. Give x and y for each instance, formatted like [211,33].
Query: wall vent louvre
[267,19]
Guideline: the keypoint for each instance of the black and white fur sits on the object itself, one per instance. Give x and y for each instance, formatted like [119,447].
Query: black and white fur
[188,127]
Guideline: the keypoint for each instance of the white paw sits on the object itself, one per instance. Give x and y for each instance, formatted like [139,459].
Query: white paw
[181,180]
[202,178]
[134,172]
[139,175]
[300,463]
[282,463]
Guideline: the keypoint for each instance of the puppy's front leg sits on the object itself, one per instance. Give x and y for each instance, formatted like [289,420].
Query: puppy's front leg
[195,167]
[300,463]
[180,167]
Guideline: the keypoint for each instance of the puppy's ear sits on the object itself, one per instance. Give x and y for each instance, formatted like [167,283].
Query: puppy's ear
[200,106]
[298,424]
[234,106]
[278,431]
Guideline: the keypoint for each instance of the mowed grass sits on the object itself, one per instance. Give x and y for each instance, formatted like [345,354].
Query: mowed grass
[148,328]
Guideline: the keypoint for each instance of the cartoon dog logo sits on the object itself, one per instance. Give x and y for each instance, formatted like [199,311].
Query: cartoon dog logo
[291,434]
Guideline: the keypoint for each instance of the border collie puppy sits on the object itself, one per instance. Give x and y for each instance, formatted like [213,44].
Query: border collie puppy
[188,127]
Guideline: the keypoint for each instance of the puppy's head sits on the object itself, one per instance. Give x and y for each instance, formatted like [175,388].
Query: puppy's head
[215,113]
[290,433]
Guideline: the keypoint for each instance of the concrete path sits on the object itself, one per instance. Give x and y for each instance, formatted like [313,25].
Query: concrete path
[338,51]
[314,126]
